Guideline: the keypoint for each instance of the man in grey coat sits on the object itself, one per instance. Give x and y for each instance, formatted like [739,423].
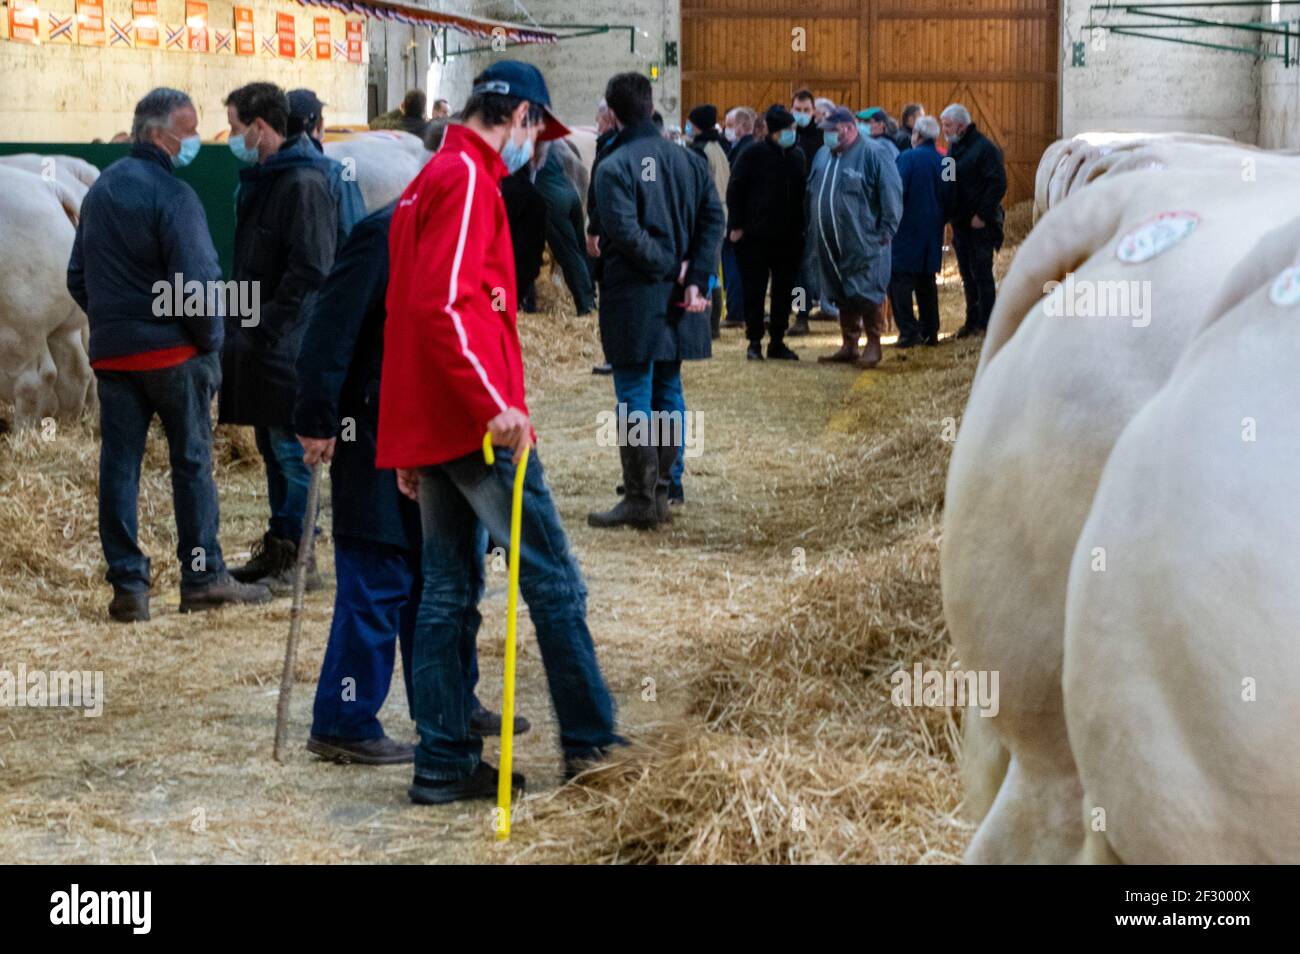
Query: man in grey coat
[660,229]
[855,202]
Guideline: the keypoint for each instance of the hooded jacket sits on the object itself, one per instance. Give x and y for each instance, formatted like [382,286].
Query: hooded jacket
[452,360]
[285,228]
[855,202]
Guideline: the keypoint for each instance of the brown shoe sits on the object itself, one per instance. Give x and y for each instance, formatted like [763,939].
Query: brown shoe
[223,591]
[380,751]
[847,354]
[870,354]
[129,607]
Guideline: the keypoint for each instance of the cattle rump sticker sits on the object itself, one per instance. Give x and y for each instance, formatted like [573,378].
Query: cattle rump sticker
[1155,236]
[1285,290]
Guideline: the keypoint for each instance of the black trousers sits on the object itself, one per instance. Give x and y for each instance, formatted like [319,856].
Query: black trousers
[974,248]
[760,259]
[902,285]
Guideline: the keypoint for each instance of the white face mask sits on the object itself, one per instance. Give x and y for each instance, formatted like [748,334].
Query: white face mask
[731,134]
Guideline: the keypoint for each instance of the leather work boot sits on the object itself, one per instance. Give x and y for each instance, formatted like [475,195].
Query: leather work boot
[267,559]
[129,607]
[380,751]
[871,354]
[481,784]
[223,591]
[637,508]
[848,353]
[799,328]
[281,584]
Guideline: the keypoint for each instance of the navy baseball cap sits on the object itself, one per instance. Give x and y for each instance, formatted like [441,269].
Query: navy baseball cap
[304,104]
[513,78]
[835,117]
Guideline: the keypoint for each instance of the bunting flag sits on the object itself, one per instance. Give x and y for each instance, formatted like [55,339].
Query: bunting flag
[340,51]
[61,28]
[121,32]
[196,23]
[270,44]
[222,40]
[415,16]
[90,23]
[305,44]
[175,36]
[245,45]
[145,16]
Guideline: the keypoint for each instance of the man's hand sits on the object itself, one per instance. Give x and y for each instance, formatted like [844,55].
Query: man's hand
[694,300]
[316,450]
[593,246]
[408,482]
[736,235]
[976,222]
[511,428]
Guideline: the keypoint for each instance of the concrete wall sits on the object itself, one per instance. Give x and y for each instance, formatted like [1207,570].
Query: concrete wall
[66,92]
[1133,83]
[1279,106]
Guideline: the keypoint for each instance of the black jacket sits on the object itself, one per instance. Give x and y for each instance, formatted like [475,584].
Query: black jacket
[738,148]
[765,196]
[981,180]
[657,208]
[285,229]
[903,139]
[141,225]
[338,371]
[526,212]
[809,139]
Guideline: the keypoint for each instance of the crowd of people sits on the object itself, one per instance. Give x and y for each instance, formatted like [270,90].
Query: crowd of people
[386,346]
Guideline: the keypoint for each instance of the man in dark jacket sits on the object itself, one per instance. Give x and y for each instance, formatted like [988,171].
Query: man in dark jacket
[765,222]
[526,211]
[377,536]
[307,115]
[906,124]
[285,230]
[918,243]
[981,180]
[661,224]
[738,133]
[143,240]
[808,282]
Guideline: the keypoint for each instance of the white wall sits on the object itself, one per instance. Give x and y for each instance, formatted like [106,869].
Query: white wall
[65,92]
[1138,84]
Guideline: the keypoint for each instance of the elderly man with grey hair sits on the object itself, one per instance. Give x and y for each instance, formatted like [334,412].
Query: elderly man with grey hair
[142,240]
[976,213]
[918,243]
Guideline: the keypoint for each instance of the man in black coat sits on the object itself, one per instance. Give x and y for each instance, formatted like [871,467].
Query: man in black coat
[981,181]
[377,535]
[285,230]
[660,227]
[765,222]
[526,213]
[810,140]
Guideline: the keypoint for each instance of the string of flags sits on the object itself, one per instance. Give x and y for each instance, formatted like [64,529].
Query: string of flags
[144,29]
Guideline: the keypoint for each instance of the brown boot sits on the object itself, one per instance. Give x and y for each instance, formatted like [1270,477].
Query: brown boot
[849,331]
[871,353]
[223,591]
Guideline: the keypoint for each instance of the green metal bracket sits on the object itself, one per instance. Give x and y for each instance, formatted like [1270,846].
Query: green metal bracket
[581,30]
[1169,17]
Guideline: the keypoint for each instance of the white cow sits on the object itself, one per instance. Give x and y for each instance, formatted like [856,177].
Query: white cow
[1182,658]
[43,364]
[1050,397]
[384,162]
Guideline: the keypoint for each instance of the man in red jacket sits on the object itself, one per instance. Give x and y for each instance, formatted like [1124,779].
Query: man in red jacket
[452,372]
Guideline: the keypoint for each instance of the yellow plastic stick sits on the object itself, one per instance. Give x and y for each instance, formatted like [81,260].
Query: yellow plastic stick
[512,614]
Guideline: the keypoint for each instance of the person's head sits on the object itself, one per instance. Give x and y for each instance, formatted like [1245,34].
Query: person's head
[874,121]
[702,118]
[839,128]
[739,123]
[306,114]
[954,121]
[166,118]
[821,107]
[925,130]
[911,113]
[630,98]
[604,117]
[259,120]
[509,107]
[780,125]
[801,104]
[414,104]
[441,109]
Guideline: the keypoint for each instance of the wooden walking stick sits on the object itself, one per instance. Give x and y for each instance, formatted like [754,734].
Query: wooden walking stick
[305,546]
[512,619]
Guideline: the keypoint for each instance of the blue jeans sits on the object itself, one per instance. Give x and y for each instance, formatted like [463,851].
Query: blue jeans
[287,480]
[456,499]
[655,386]
[181,396]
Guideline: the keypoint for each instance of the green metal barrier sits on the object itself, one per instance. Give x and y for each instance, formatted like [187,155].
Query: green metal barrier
[214,174]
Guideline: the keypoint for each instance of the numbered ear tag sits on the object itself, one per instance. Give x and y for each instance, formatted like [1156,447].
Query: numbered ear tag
[1286,287]
[1155,236]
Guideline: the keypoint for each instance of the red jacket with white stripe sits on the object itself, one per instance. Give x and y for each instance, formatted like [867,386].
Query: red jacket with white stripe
[452,360]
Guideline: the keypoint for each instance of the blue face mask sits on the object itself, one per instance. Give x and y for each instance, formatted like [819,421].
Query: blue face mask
[864,130]
[802,119]
[831,138]
[516,155]
[690,130]
[189,149]
[786,137]
[242,152]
